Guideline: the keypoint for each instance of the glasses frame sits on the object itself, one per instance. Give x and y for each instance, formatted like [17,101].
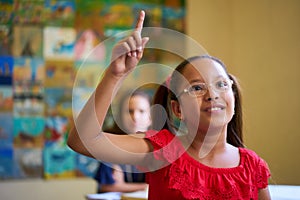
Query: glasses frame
[207,86]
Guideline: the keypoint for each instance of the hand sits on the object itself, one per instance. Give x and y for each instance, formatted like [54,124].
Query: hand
[128,52]
[118,174]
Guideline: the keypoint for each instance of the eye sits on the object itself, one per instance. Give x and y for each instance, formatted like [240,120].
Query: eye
[222,84]
[142,111]
[197,87]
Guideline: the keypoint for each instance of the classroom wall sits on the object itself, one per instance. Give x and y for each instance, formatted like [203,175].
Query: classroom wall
[259,42]
[75,188]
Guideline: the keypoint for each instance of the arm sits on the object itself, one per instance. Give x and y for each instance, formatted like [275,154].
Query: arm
[86,137]
[264,194]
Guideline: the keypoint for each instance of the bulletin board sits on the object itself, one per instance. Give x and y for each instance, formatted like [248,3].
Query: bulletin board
[43,44]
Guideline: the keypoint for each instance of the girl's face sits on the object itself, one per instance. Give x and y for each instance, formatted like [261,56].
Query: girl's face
[136,114]
[213,108]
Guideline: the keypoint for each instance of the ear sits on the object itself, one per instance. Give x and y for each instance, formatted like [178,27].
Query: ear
[175,106]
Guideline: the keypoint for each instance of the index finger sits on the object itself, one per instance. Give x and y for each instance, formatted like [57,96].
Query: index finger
[140,22]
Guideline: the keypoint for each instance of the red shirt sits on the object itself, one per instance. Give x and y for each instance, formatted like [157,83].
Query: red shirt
[186,178]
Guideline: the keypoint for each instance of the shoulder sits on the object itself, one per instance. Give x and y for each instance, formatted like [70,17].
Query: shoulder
[253,160]
[249,154]
[166,146]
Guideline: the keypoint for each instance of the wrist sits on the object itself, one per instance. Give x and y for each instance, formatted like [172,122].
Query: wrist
[117,76]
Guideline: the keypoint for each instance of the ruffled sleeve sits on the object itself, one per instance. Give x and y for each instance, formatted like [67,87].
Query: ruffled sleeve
[257,164]
[263,174]
[166,147]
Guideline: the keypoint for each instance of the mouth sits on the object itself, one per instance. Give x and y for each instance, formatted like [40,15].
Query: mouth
[214,108]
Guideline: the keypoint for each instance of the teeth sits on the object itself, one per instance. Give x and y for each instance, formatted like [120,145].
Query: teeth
[215,108]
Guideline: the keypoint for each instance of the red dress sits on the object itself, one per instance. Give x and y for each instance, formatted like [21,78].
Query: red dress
[186,178]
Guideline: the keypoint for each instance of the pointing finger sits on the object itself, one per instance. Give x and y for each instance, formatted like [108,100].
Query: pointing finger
[140,22]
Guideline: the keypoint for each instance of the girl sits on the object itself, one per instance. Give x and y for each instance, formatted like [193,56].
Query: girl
[208,161]
[133,115]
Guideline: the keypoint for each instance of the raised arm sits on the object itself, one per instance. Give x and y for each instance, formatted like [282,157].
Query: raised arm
[86,137]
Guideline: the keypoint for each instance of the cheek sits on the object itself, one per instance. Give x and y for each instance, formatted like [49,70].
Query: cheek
[144,119]
[191,109]
[230,101]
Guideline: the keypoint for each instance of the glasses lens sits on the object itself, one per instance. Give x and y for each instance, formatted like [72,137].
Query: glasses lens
[222,85]
[198,89]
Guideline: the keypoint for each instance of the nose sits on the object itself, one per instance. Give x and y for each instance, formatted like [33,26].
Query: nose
[211,94]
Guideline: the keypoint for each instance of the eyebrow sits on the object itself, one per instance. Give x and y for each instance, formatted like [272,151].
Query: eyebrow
[202,81]
[196,81]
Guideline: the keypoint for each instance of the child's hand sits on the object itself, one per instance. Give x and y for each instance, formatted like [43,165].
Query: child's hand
[128,52]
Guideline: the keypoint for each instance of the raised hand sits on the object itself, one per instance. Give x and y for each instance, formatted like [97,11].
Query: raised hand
[128,52]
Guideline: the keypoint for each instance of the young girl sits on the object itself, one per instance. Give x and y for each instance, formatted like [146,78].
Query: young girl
[133,115]
[208,160]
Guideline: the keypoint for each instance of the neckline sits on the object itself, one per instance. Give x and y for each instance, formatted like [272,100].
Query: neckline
[217,169]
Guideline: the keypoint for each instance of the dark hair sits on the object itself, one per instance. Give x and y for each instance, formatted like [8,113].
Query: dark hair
[165,94]
[118,126]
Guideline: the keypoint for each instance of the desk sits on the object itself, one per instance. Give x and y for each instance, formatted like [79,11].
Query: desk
[284,192]
[278,192]
[139,195]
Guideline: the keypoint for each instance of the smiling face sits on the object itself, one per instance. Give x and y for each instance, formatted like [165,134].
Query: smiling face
[136,114]
[213,108]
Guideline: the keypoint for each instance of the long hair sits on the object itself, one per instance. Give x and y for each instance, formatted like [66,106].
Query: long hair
[164,95]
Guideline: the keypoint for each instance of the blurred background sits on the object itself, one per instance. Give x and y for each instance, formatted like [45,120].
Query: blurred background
[45,43]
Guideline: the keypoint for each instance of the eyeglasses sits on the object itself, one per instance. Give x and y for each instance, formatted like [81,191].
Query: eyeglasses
[200,89]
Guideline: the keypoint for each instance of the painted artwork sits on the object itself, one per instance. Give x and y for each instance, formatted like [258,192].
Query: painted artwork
[27,41]
[88,46]
[6,12]
[59,161]
[56,129]
[6,70]
[28,12]
[88,73]
[174,18]
[88,16]
[59,42]
[28,99]
[58,102]
[29,69]
[86,166]
[5,40]
[59,73]
[80,97]
[153,12]
[28,132]
[6,130]
[118,16]
[52,55]
[6,163]
[28,163]
[59,13]
[28,78]
[6,98]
